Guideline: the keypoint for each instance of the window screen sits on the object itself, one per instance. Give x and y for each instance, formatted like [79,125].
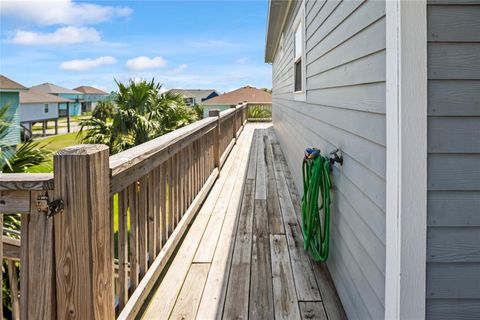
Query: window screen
[298,58]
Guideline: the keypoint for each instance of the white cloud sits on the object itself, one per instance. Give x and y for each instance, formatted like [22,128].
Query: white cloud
[86,64]
[144,63]
[50,12]
[242,60]
[64,35]
[180,68]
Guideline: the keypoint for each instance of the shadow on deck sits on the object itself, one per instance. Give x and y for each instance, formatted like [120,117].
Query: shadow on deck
[243,255]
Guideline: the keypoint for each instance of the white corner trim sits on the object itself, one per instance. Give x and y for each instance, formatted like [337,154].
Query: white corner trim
[406,174]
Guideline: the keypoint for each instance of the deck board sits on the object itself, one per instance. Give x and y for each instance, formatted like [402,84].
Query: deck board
[243,256]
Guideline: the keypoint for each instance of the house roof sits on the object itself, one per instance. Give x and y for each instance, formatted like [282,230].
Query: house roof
[52,88]
[247,93]
[90,90]
[278,11]
[9,84]
[33,96]
[198,94]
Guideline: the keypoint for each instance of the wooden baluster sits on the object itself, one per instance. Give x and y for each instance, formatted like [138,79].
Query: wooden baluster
[142,226]
[13,280]
[37,292]
[152,213]
[122,248]
[83,260]
[163,203]
[180,163]
[216,139]
[158,212]
[133,207]
[171,196]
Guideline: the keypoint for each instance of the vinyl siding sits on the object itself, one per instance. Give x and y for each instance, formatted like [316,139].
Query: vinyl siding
[453,234]
[36,111]
[344,108]
[13,136]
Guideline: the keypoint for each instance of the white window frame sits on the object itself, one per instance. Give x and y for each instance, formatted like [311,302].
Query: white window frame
[299,21]
[46,108]
[406,180]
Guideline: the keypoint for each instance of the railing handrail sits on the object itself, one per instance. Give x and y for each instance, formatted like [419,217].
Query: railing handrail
[26,181]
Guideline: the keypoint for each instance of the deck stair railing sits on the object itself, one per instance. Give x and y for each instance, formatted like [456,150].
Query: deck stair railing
[97,233]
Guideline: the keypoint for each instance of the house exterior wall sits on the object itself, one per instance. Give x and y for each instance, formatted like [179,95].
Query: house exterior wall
[344,108]
[213,107]
[12,99]
[36,111]
[453,211]
[75,107]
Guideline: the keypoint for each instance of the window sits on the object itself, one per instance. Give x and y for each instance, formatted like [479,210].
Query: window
[299,55]
[45,108]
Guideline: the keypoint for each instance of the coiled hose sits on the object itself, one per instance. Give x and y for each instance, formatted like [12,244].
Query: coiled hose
[315,217]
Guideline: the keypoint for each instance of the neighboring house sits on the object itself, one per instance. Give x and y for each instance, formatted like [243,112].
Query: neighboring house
[10,95]
[72,108]
[396,86]
[91,96]
[195,96]
[244,94]
[36,106]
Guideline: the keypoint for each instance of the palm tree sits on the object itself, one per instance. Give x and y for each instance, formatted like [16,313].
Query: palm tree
[144,113]
[104,110]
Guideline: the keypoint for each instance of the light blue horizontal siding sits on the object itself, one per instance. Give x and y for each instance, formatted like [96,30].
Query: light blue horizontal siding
[12,100]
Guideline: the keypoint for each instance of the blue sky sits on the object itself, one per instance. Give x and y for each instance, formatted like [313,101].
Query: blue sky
[183,44]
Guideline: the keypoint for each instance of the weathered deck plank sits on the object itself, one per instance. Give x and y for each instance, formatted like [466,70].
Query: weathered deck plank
[213,299]
[191,293]
[284,295]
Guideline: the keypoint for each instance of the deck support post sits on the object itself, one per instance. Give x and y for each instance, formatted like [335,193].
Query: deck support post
[216,138]
[56,126]
[83,234]
[68,117]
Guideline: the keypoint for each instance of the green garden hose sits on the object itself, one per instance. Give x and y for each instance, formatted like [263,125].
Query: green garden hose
[315,217]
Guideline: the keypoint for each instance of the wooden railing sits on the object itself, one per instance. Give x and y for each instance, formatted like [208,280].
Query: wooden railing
[98,232]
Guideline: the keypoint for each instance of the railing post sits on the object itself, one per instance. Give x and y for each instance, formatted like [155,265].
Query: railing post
[216,138]
[83,243]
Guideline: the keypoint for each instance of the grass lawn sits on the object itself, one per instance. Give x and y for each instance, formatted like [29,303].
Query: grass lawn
[53,144]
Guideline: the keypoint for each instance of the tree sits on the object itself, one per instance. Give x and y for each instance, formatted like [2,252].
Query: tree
[143,113]
[104,110]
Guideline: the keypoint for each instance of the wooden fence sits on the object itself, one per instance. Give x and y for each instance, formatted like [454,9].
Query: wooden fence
[98,232]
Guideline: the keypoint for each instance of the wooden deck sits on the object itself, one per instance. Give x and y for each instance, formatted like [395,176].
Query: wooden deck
[243,255]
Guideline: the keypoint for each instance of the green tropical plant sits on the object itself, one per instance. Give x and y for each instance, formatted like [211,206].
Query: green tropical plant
[143,113]
[104,110]
[198,108]
[258,112]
